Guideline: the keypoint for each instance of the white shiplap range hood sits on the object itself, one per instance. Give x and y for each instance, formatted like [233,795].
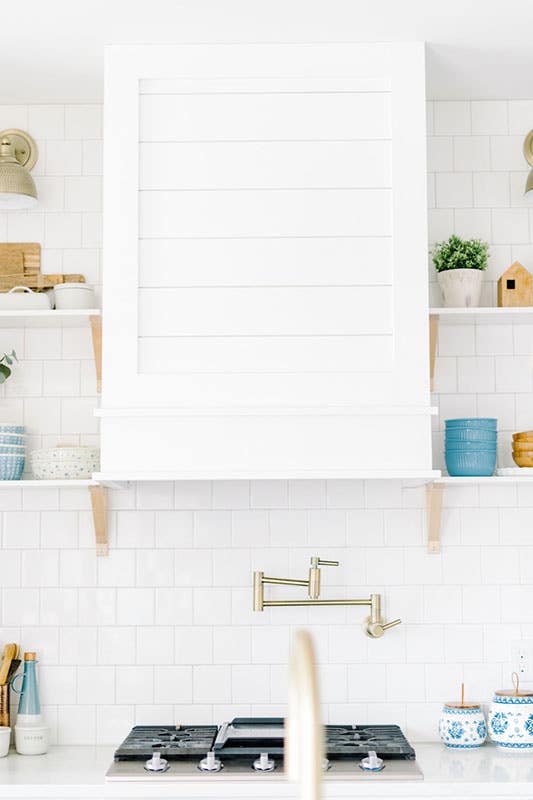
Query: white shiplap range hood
[265,283]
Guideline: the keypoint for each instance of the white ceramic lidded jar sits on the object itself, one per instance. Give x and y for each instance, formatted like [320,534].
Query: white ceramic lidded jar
[511,718]
[462,725]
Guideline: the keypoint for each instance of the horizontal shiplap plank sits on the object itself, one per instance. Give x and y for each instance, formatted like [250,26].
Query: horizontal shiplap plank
[269,85]
[298,212]
[269,165]
[263,262]
[267,311]
[303,116]
[162,355]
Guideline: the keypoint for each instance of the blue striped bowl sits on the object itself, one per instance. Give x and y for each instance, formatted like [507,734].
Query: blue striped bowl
[487,423]
[470,464]
[7,427]
[12,450]
[11,467]
[472,447]
[471,435]
[12,438]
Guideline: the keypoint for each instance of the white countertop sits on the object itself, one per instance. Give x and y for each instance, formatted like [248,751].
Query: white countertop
[78,772]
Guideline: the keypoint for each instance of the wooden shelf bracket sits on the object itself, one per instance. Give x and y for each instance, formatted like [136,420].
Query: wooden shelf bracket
[433,338]
[99,506]
[96,332]
[434,494]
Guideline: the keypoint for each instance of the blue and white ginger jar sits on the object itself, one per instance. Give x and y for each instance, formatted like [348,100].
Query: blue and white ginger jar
[511,719]
[462,726]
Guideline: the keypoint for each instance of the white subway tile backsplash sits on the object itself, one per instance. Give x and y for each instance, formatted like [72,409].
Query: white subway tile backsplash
[471,153]
[116,645]
[155,568]
[506,153]
[62,230]
[489,116]
[453,190]
[520,116]
[163,629]
[510,225]
[83,121]
[440,154]
[136,606]
[472,223]
[212,684]
[452,118]
[491,190]
[46,121]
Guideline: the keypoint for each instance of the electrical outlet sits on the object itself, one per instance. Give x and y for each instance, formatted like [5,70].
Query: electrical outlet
[522,658]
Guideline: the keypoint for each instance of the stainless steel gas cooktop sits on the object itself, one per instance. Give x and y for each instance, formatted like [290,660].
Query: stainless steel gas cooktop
[248,748]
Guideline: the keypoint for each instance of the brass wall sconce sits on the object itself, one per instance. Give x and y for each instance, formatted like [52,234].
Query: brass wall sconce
[18,155]
[375,626]
[528,155]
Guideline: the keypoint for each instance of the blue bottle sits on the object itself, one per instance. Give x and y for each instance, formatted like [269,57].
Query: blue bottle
[29,712]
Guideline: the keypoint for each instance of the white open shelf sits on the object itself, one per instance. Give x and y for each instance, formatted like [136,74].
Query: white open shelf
[471,316]
[110,478]
[494,479]
[32,483]
[41,318]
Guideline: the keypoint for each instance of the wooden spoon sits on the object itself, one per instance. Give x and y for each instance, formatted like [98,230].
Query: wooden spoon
[10,652]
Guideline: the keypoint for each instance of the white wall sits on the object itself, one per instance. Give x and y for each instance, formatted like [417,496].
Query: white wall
[162,630]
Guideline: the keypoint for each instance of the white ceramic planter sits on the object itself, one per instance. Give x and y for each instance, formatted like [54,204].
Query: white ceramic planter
[461,288]
[462,727]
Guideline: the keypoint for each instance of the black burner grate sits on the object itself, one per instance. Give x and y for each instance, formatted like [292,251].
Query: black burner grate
[246,737]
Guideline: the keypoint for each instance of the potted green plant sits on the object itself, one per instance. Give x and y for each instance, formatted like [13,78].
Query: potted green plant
[6,364]
[460,264]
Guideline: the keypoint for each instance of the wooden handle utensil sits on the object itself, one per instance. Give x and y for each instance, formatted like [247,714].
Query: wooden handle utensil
[10,652]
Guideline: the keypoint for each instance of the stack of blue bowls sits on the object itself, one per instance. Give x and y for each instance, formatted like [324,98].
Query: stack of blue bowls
[470,446]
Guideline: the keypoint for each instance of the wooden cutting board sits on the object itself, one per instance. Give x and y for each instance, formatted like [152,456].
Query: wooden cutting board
[20,265]
[12,262]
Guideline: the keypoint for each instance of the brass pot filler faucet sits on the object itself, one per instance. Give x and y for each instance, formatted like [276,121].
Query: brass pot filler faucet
[375,626]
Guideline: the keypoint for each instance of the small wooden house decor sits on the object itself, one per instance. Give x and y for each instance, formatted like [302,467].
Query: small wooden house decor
[515,287]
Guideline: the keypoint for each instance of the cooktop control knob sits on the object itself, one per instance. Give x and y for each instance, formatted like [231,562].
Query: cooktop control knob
[372,763]
[210,763]
[156,763]
[264,763]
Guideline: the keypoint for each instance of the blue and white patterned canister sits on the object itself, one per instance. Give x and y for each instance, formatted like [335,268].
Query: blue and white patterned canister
[511,718]
[462,726]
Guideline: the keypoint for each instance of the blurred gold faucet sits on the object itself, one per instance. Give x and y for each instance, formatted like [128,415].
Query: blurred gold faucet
[304,745]
[375,626]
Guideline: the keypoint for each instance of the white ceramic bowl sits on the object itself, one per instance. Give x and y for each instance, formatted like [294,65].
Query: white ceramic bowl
[69,463]
[21,298]
[74,295]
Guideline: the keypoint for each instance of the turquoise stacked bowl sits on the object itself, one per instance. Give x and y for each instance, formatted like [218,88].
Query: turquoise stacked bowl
[12,451]
[471,446]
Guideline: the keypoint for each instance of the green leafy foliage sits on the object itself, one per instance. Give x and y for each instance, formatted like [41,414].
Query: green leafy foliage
[457,253]
[6,362]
